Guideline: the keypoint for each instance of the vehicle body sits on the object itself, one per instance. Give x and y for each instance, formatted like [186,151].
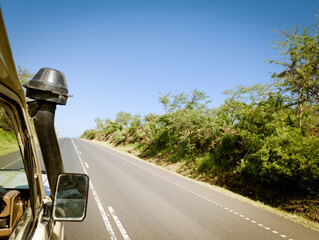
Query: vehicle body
[25,211]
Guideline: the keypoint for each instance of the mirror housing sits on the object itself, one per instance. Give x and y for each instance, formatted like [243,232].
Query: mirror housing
[71,196]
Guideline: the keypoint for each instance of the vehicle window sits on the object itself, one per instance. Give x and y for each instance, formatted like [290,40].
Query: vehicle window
[12,175]
[14,190]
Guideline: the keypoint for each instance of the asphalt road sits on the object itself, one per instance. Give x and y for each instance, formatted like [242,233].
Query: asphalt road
[131,199]
[11,161]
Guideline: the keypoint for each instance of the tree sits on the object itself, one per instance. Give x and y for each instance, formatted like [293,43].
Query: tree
[196,100]
[5,122]
[300,77]
[99,123]
[165,100]
[124,118]
[251,94]
[24,75]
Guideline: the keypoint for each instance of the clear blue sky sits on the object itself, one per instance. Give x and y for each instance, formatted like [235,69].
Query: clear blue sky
[117,55]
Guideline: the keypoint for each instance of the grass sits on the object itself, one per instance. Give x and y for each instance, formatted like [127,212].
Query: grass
[8,142]
[184,170]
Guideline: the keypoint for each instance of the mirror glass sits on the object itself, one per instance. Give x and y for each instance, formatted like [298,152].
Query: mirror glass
[70,201]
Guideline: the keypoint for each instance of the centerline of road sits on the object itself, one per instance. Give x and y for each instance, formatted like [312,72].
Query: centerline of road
[11,163]
[99,204]
[87,165]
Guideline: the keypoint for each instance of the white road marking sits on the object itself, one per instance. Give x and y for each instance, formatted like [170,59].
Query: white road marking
[98,202]
[87,165]
[11,163]
[119,224]
[216,203]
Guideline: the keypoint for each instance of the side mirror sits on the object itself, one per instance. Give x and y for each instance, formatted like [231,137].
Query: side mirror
[71,195]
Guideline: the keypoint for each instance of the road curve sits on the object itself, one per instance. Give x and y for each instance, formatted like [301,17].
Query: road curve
[131,199]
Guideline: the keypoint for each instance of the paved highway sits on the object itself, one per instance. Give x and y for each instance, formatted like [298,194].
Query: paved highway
[11,161]
[131,199]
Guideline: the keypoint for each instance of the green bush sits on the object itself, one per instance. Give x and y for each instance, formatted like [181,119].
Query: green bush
[8,142]
[287,158]
[89,134]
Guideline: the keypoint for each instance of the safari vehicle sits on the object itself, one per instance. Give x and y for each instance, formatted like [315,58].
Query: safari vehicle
[25,211]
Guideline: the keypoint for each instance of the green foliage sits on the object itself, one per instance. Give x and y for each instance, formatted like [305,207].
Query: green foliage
[5,122]
[165,100]
[196,100]
[8,142]
[124,118]
[301,61]
[89,134]
[287,158]
[251,95]
[24,75]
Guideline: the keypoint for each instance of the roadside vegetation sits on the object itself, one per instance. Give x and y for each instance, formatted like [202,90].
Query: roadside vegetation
[262,142]
[8,142]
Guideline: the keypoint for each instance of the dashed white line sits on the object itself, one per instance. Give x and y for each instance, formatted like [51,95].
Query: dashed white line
[87,165]
[103,213]
[119,224]
[98,202]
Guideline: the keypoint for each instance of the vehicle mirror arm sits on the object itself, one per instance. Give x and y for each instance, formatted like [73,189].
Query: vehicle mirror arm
[47,212]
